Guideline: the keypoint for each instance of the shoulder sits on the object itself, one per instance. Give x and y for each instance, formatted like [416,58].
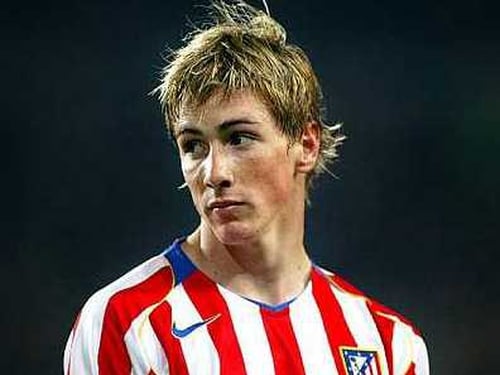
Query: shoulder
[376,308]
[141,286]
[108,314]
[403,342]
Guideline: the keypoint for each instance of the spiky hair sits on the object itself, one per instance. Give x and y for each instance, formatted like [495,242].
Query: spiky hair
[243,48]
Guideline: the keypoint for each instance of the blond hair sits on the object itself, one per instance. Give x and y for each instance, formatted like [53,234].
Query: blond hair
[245,49]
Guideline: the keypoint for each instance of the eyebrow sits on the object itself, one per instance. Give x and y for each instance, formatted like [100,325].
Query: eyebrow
[188,128]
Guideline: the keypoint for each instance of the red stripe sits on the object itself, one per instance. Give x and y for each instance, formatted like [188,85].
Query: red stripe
[283,343]
[411,370]
[161,321]
[121,310]
[386,329]
[209,302]
[337,330]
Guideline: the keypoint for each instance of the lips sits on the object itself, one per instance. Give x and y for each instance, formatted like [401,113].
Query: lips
[223,203]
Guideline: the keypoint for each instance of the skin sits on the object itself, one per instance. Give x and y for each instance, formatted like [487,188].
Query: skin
[247,182]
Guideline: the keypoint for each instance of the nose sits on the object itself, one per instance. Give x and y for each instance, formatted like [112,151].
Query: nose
[217,169]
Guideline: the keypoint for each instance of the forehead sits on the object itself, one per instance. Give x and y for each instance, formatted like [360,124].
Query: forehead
[220,108]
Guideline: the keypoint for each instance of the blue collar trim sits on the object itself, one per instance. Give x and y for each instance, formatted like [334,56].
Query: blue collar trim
[181,264]
[183,267]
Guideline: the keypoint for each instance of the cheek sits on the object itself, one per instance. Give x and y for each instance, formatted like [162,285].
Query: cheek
[273,177]
[186,168]
[189,172]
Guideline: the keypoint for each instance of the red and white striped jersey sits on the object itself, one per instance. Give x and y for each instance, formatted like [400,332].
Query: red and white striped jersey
[167,317]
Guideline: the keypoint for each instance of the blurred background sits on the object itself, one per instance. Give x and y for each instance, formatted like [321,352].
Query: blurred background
[90,175]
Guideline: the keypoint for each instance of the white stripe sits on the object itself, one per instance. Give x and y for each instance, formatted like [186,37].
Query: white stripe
[145,351]
[325,271]
[408,347]
[86,338]
[67,351]
[401,348]
[198,348]
[420,356]
[311,335]
[361,324]
[250,332]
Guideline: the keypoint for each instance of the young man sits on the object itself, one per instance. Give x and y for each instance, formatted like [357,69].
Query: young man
[239,295]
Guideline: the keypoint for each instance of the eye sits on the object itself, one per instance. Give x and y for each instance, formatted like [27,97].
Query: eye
[239,138]
[194,147]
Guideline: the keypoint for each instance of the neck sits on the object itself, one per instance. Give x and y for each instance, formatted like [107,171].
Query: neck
[271,269]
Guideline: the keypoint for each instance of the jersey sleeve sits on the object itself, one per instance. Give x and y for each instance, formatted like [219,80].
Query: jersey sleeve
[109,336]
[405,348]
[99,345]
[80,354]
[409,351]
[420,356]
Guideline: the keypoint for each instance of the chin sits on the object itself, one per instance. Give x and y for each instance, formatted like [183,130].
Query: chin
[233,233]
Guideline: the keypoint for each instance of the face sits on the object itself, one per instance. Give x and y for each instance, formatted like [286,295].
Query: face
[244,175]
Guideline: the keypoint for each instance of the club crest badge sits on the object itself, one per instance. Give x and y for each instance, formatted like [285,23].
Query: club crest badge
[360,361]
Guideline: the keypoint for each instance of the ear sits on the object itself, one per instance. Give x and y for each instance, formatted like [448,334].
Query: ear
[309,143]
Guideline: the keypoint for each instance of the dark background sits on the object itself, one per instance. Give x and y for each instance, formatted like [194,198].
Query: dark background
[89,175]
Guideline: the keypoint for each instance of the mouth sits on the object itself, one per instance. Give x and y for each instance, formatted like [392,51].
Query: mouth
[223,204]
